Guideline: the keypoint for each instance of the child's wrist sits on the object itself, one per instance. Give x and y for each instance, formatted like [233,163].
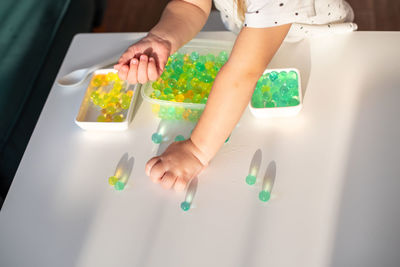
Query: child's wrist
[200,153]
[163,37]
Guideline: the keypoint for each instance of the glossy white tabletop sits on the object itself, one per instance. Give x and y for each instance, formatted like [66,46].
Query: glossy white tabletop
[335,201]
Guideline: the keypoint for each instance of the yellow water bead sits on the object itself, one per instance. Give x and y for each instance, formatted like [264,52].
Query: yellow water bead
[209,65]
[186,114]
[129,93]
[179,98]
[155,108]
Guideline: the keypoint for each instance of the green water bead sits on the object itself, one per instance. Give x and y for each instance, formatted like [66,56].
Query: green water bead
[250,179]
[164,75]
[257,103]
[292,84]
[171,111]
[293,102]
[282,103]
[227,139]
[167,91]
[207,79]
[264,196]
[156,138]
[112,180]
[292,75]
[266,96]
[179,138]
[222,56]
[284,90]
[282,75]
[210,57]
[197,98]
[172,83]
[270,104]
[200,66]
[273,75]
[119,185]
[185,206]
[202,59]
[194,56]
[276,96]
[157,92]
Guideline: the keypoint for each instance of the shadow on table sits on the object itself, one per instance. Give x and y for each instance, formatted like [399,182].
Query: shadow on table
[368,220]
[124,168]
[295,55]
[138,104]
[269,177]
[255,163]
[191,191]
[252,236]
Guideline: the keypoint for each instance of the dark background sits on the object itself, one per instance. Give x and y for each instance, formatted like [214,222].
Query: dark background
[140,16]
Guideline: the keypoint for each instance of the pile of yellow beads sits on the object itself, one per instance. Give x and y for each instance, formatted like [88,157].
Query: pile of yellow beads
[109,93]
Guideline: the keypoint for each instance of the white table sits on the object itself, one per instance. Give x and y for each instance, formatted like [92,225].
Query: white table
[336,196]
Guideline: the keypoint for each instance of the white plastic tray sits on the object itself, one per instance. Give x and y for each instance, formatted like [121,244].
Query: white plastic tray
[88,112]
[280,111]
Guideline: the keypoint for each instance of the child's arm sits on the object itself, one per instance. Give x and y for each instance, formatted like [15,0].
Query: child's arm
[231,92]
[180,22]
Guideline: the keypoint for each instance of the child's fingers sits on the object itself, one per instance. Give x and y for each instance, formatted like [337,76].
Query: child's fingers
[132,74]
[123,72]
[142,69]
[168,180]
[150,165]
[117,66]
[127,56]
[152,69]
[157,172]
[161,62]
[180,184]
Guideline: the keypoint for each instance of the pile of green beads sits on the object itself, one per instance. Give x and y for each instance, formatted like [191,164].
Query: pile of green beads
[187,78]
[109,93]
[275,89]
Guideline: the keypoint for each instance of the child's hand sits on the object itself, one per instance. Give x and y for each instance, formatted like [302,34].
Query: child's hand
[181,162]
[145,60]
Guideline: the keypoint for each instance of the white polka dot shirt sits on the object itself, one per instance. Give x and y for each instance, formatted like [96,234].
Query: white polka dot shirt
[308,17]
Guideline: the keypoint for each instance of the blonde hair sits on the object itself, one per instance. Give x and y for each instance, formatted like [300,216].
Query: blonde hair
[241,8]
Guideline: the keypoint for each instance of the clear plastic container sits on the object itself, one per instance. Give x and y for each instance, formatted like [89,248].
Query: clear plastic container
[88,114]
[280,111]
[171,110]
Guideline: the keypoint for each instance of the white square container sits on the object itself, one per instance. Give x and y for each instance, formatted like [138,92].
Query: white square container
[280,111]
[88,112]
